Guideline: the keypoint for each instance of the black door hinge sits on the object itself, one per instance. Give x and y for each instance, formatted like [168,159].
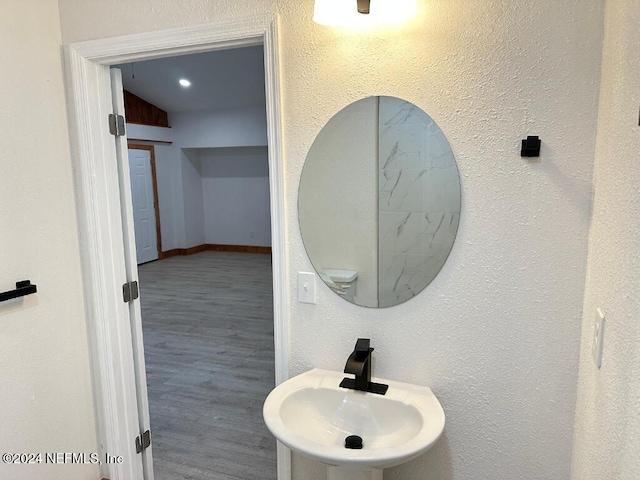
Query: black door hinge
[116,125]
[130,291]
[143,441]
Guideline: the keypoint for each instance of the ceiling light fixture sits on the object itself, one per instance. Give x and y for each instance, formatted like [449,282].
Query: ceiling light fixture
[364,6]
[350,12]
[184,82]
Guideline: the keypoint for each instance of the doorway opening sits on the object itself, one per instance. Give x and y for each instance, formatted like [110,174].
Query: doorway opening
[199,177]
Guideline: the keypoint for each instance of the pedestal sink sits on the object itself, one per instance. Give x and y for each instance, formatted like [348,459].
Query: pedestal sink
[312,415]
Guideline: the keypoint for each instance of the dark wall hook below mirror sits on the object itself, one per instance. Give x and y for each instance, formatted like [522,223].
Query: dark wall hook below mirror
[22,288]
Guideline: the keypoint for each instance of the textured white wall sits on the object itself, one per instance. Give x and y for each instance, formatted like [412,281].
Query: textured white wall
[607,429]
[496,335]
[46,403]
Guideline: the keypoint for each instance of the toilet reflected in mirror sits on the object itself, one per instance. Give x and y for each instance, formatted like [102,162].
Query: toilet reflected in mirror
[379,201]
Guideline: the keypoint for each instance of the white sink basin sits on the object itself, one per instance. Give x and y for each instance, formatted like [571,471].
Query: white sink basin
[312,415]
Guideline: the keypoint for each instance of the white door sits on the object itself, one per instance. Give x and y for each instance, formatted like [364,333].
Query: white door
[144,214]
[143,467]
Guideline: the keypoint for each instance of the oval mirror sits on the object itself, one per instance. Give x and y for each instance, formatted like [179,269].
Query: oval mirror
[379,201]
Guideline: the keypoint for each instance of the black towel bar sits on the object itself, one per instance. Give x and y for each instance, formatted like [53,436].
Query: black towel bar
[22,288]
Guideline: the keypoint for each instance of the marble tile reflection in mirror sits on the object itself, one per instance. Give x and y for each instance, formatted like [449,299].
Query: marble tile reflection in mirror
[379,200]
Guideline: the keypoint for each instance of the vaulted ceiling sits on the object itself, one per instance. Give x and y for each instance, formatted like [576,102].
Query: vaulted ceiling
[219,80]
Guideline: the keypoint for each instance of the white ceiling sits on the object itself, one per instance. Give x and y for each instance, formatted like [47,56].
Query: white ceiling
[219,80]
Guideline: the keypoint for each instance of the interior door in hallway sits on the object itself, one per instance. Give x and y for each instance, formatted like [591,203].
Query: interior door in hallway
[144,215]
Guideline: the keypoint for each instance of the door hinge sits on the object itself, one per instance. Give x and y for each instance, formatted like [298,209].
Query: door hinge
[116,125]
[143,441]
[130,291]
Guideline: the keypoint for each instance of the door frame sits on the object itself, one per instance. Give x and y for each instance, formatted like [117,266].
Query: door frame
[100,219]
[154,180]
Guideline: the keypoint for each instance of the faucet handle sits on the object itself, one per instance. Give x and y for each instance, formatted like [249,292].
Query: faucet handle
[362,345]
[362,348]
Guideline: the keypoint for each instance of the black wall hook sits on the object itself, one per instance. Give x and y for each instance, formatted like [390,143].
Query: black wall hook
[22,288]
[531,147]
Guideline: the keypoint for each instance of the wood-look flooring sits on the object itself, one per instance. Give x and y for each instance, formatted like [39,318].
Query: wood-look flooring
[208,337]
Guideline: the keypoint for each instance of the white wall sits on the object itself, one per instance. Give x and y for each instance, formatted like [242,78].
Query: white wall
[46,403]
[182,188]
[193,213]
[198,135]
[607,429]
[235,185]
[148,133]
[497,333]
[170,196]
[245,127]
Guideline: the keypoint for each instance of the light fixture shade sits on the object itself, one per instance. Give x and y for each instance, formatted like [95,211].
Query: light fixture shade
[345,12]
[335,12]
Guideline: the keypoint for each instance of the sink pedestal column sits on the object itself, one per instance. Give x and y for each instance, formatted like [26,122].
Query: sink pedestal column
[338,473]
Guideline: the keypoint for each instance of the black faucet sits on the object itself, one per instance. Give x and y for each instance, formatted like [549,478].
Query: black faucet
[359,364]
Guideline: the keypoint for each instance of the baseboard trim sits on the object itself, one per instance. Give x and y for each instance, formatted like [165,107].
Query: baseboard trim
[181,252]
[238,248]
[213,247]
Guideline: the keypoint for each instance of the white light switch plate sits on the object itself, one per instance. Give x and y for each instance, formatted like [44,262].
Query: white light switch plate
[598,338]
[306,287]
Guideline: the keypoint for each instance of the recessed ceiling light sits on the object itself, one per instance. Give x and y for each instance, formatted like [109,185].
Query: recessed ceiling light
[184,82]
